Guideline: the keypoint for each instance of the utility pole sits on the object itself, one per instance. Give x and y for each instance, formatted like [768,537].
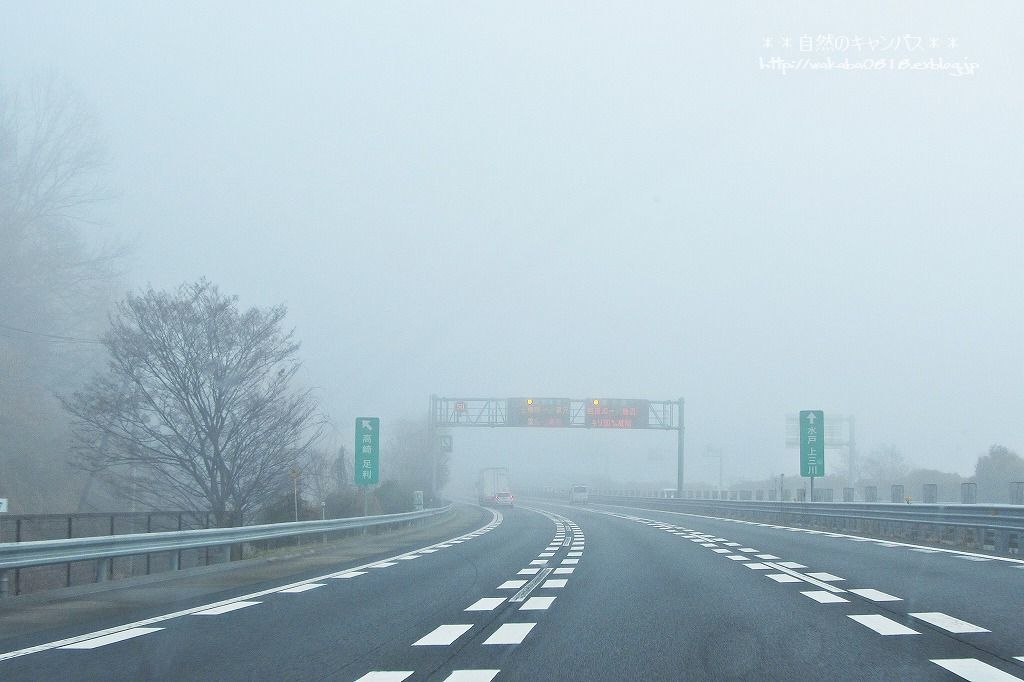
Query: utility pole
[294,475]
[679,452]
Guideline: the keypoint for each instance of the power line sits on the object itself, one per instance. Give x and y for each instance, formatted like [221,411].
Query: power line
[50,337]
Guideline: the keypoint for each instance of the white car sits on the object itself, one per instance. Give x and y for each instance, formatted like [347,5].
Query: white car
[579,494]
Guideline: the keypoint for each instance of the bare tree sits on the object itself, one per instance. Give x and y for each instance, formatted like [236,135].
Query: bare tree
[197,406]
[56,282]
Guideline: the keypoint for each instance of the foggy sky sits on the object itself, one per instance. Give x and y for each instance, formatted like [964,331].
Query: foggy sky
[594,199]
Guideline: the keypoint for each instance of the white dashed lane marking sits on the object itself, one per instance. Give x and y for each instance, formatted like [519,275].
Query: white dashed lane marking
[721,550]
[875,595]
[385,676]
[948,623]
[510,633]
[226,608]
[783,578]
[486,604]
[472,676]
[529,571]
[883,625]
[301,588]
[511,584]
[766,557]
[565,570]
[791,564]
[825,577]
[823,597]
[554,583]
[350,574]
[758,567]
[111,638]
[738,557]
[570,562]
[443,635]
[537,604]
[974,670]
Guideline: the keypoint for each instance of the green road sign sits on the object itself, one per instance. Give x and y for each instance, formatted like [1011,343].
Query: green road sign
[812,443]
[367,465]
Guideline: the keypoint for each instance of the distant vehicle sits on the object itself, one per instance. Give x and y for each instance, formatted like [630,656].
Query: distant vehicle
[492,487]
[579,494]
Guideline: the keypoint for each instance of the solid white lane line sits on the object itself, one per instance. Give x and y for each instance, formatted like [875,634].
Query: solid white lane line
[350,574]
[758,567]
[783,578]
[974,670]
[1020,658]
[924,551]
[472,676]
[385,676]
[823,597]
[554,583]
[111,638]
[443,635]
[564,570]
[300,588]
[510,633]
[408,557]
[883,625]
[791,564]
[486,604]
[971,558]
[226,608]
[383,564]
[826,577]
[537,604]
[511,584]
[427,551]
[947,622]
[875,595]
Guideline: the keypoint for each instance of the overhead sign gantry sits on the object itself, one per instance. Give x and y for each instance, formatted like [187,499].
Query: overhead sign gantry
[571,413]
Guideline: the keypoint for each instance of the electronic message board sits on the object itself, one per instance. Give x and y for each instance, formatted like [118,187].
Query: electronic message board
[538,412]
[605,413]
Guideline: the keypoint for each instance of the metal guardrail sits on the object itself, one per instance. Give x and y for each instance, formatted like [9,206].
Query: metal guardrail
[997,528]
[104,548]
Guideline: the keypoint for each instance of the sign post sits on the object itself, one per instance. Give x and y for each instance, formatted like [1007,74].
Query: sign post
[367,464]
[812,445]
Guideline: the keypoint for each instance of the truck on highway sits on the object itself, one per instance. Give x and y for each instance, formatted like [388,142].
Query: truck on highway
[579,494]
[492,487]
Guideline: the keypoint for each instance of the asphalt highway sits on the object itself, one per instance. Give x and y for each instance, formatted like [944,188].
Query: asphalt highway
[548,591]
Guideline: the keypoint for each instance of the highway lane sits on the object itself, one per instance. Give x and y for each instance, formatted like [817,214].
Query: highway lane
[601,593]
[954,599]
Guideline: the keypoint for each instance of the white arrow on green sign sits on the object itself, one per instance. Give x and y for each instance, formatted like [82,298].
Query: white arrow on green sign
[812,443]
[367,464]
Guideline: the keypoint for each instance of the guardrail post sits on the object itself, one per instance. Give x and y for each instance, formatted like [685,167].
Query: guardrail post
[176,557]
[67,566]
[103,570]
